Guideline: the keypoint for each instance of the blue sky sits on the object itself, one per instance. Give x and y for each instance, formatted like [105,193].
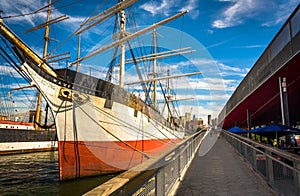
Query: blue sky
[229,36]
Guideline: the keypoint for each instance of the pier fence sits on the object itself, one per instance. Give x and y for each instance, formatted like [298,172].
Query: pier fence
[156,176]
[279,168]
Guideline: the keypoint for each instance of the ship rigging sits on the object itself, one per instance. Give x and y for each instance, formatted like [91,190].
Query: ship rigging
[102,127]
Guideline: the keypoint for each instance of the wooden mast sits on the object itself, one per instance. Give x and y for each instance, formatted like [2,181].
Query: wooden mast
[38,117]
[78,53]
[104,15]
[154,68]
[169,93]
[122,48]
[47,31]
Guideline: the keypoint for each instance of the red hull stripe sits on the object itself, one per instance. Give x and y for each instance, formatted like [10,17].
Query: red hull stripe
[87,158]
[15,123]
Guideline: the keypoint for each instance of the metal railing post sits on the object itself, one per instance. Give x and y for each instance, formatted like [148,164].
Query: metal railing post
[270,175]
[254,165]
[160,182]
[296,176]
[245,151]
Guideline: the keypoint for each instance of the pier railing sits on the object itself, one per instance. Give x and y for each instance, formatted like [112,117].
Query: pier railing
[156,176]
[280,169]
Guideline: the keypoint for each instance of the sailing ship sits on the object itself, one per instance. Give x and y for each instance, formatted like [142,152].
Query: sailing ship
[17,131]
[102,128]
[25,133]
[21,137]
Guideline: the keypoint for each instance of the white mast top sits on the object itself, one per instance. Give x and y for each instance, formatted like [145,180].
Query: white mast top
[123,47]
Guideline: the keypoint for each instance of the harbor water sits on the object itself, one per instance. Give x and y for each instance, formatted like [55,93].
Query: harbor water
[38,174]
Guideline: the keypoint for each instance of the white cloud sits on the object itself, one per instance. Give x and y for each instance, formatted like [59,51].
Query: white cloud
[281,9]
[203,61]
[165,7]
[7,70]
[11,11]
[192,6]
[251,46]
[233,69]
[236,13]
[217,68]
[155,7]
[202,97]
[21,8]
[213,75]
[241,10]
[218,44]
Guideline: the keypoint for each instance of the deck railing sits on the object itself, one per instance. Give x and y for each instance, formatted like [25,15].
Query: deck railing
[280,169]
[157,176]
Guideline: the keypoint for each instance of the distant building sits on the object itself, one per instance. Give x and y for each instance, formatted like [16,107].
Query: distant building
[209,120]
[188,116]
[191,124]
[194,124]
[182,120]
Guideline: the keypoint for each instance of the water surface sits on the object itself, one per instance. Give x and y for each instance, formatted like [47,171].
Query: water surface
[38,174]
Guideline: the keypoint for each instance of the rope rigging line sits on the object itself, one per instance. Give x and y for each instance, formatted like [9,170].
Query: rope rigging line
[142,51]
[32,103]
[166,100]
[77,30]
[9,104]
[11,62]
[147,98]
[30,13]
[173,104]
[113,61]
[6,106]
[4,102]
[76,149]
[41,10]
[20,86]
[113,118]
[111,66]
[11,51]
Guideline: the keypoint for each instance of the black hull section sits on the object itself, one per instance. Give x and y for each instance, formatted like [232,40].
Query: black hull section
[109,91]
[19,135]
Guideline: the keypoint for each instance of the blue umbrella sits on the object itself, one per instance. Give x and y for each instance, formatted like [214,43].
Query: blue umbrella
[276,130]
[237,130]
[255,131]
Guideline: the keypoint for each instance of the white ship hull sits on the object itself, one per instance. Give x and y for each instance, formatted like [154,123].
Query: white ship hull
[97,135]
[101,127]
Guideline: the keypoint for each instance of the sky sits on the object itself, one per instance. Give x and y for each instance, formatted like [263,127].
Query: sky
[228,36]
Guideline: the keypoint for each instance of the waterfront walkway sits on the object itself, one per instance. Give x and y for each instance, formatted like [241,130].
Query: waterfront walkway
[222,172]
